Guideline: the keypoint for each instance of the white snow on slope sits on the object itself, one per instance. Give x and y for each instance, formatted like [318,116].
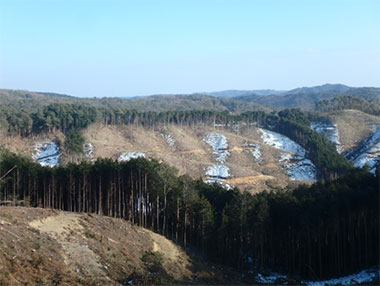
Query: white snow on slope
[217,174]
[281,142]
[294,160]
[219,182]
[368,152]
[255,151]
[169,139]
[130,155]
[88,150]
[361,277]
[268,279]
[47,153]
[218,143]
[301,170]
[330,131]
[218,171]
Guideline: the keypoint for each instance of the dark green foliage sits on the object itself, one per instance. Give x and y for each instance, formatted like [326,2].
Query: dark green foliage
[63,117]
[74,141]
[294,115]
[348,102]
[330,164]
[153,263]
[306,99]
[328,229]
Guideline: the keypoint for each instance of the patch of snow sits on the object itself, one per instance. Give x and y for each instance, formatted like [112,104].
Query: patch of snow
[255,151]
[218,171]
[47,154]
[88,150]
[294,160]
[281,142]
[221,183]
[285,157]
[268,279]
[368,153]
[329,130]
[169,139]
[301,170]
[362,277]
[218,143]
[124,157]
[217,174]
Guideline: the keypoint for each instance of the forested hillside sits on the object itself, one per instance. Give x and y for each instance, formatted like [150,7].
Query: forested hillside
[292,123]
[348,102]
[32,101]
[319,231]
[306,99]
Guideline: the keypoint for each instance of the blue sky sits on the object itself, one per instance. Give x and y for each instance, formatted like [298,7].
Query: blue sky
[130,48]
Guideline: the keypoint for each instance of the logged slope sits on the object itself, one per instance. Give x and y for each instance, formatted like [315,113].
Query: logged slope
[352,127]
[234,154]
[252,164]
[40,246]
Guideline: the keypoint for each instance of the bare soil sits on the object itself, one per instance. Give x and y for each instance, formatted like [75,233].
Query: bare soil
[49,247]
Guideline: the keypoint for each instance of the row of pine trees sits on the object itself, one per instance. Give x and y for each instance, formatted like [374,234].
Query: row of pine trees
[328,229]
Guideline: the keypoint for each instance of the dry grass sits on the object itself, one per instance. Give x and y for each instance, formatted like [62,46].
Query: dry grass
[47,247]
[190,155]
[353,126]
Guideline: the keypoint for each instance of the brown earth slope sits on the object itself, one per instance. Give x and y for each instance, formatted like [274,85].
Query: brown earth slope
[191,155]
[48,247]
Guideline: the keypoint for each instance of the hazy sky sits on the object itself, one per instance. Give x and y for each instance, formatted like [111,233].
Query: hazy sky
[137,47]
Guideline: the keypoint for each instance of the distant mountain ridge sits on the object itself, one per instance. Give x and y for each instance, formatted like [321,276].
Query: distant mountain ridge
[235,101]
[320,88]
[233,93]
[263,92]
[307,97]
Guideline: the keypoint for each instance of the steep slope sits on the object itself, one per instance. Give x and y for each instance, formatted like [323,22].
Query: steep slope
[41,246]
[353,126]
[249,161]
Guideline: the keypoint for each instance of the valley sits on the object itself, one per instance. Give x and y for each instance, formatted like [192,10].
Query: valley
[199,179]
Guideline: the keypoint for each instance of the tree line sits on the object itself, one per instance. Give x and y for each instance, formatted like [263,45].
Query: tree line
[328,229]
[348,102]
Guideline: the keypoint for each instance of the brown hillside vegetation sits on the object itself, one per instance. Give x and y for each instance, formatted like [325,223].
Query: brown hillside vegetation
[191,155]
[40,246]
[354,126]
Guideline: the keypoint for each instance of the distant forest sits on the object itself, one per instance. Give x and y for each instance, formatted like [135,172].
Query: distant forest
[315,232]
